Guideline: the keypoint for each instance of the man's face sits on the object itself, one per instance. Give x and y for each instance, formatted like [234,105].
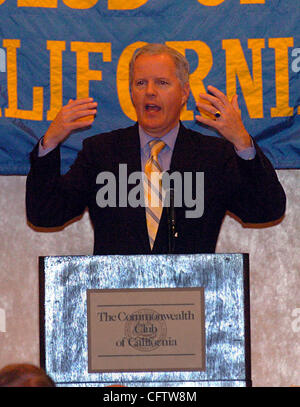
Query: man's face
[157,93]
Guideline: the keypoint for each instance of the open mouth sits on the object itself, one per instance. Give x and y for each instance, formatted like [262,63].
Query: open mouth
[150,107]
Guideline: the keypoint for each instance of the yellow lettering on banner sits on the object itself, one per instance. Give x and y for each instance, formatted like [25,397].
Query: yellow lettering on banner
[211,2]
[12,79]
[236,66]
[37,3]
[252,1]
[80,4]
[2,1]
[84,74]
[281,46]
[205,62]
[56,93]
[125,4]
[122,79]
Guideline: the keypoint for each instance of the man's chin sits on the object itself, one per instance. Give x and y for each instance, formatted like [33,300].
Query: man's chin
[154,131]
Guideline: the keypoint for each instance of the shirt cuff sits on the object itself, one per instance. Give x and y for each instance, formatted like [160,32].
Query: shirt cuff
[248,153]
[43,151]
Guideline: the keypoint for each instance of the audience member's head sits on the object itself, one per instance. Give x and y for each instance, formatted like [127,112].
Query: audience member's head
[24,375]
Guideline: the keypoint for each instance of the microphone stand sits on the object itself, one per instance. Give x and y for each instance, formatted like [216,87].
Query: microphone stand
[171,222]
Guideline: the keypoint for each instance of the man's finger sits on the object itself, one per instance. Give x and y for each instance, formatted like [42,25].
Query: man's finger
[81,123]
[212,100]
[83,115]
[235,104]
[207,108]
[206,121]
[218,94]
[84,106]
[77,102]
[90,118]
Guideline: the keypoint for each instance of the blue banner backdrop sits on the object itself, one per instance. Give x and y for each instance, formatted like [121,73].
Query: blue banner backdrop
[55,50]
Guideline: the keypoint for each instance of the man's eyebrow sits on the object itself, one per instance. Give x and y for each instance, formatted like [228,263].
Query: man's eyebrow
[156,78]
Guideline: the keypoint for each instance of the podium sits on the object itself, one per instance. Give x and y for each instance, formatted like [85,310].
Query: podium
[67,282]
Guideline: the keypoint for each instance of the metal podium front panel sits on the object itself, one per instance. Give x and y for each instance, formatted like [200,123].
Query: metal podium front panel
[64,282]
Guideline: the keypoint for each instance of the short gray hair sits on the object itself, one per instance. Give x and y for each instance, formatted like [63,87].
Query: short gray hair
[181,63]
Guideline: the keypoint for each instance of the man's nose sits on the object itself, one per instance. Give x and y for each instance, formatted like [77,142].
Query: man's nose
[151,89]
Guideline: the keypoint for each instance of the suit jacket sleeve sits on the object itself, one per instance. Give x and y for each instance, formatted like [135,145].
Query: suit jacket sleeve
[52,199]
[257,195]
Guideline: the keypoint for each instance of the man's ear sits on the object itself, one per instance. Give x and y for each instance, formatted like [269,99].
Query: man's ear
[185,92]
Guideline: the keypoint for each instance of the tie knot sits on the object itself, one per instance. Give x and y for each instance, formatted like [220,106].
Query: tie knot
[156,147]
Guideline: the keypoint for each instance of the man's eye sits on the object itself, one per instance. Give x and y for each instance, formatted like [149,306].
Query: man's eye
[140,83]
[163,82]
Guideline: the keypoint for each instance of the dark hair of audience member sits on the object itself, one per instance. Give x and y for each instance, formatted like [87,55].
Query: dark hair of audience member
[24,375]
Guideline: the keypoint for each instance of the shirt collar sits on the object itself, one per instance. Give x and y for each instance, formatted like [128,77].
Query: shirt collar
[169,138]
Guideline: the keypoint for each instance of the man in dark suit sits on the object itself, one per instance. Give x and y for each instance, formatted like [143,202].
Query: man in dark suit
[237,175]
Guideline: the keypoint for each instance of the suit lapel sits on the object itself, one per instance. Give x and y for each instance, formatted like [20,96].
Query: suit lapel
[130,154]
[129,149]
[184,154]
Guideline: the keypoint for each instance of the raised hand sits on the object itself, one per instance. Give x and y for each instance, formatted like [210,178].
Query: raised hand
[224,116]
[77,114]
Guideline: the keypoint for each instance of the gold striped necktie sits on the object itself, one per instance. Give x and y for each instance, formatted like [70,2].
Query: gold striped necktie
[152,189]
